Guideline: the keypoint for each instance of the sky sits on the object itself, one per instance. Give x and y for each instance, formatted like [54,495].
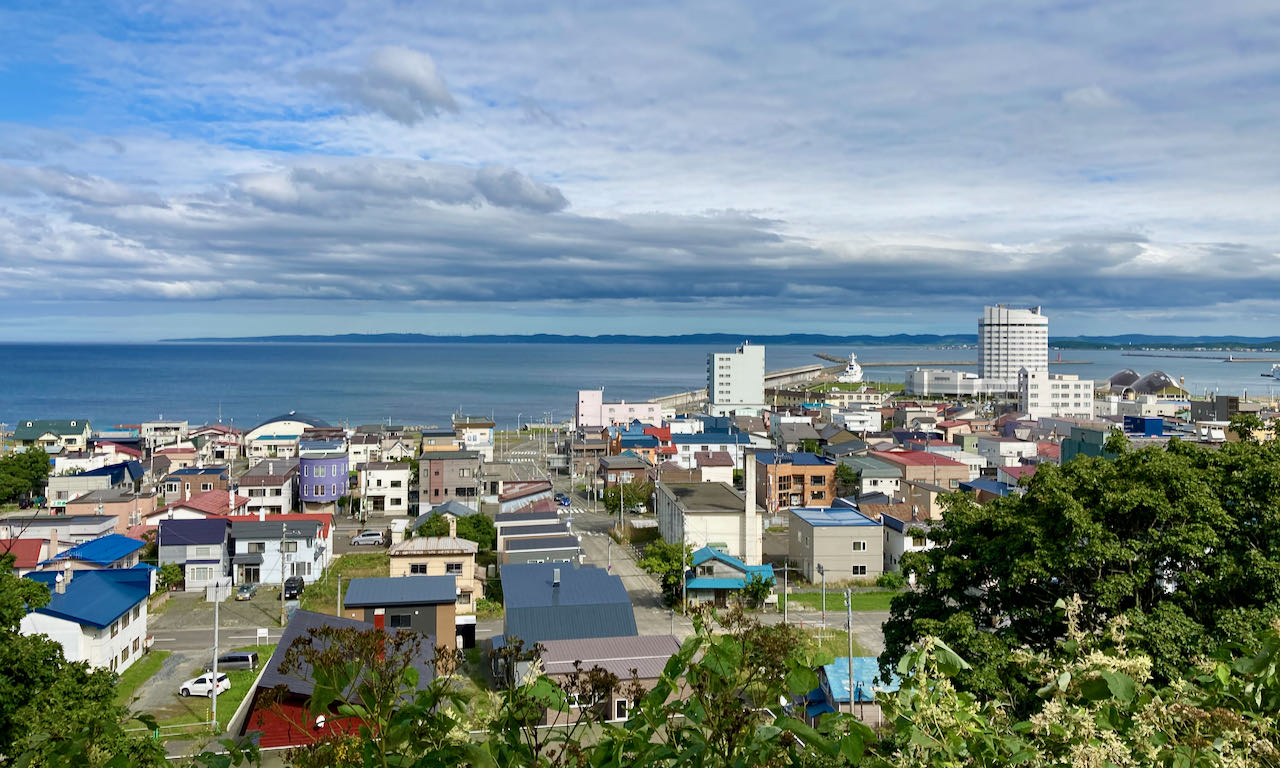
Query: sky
[250,168]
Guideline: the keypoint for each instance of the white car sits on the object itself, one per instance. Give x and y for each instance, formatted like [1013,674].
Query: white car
[203,685]
[367,537]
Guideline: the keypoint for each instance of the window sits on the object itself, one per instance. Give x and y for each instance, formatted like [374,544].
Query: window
[206,486]
[435,492]
[257,546]
[453,568]
[306,471]
[706,570]
[464,598]
[417,568]
[817,480]
[203,551]
[320,470]
[859,546]
[277,491]
[137,643]
[289,546]
[124,621]
[818,495]
[137,611]
[464,472]
[397,483]
[333,490]
[859,570]
[115,628]
[398,620]
[124,654]
[300,569]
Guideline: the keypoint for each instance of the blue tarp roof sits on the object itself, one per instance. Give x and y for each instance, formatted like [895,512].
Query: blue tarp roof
[95,598]
[832,516]
[865,671]
[103,550]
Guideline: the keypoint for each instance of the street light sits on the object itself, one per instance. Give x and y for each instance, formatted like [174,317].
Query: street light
[823,573]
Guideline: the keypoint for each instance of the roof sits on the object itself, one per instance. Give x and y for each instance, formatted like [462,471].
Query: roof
[833,516]
[1020,471]
[988,485]
[716,438]
[448,455]
[27,552]
[590,602]
[713,459]
[294,416]
[199,471]
[539,530]
[133,470]
[865,671]
[793,431]
[917,459]
[118,447]
[522,488]
[869,466]
[706,497]
[95,598]
[103,550]
[207,502]
[300,624]
[385,466]
[623,461]
[647,655]
[269,472]
[175,533]
[708,553]
[400,590]
[525,515]
[28,522]
[105,496]
[539,543]
[253,530]
[34,428]
[433,545]
[797,459]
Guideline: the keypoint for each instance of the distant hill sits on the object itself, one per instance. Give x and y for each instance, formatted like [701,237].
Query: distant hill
[1124,341]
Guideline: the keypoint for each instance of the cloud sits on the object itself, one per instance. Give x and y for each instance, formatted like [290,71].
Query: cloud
[400,83]
[1090,97]
[81,188]
[508,188]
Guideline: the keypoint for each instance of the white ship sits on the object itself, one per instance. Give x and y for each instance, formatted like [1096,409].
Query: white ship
[1275,372]
[852,373]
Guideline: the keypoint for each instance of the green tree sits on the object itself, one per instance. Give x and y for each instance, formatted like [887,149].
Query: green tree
[171,575]
[23,474]
[1245,426]
[756,589]
[1179,541]
[478,528]
[846,480]
[666,562]
[436,525]
[629,495]
[810,445]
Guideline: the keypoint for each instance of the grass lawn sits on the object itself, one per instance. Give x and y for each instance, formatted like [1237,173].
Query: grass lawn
[883,386]
[133,677]
[862,601]
[322,596]
[228,702]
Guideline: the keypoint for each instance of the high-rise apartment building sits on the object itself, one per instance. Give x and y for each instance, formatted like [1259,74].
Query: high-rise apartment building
[735,380]
[1008,341]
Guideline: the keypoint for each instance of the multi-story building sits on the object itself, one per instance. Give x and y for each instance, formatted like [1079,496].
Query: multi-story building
[785,480]
[201,547]
[846,543]
[475,434]
[423,604]
[712,515]
[1005,451]
[128,508]
[126,476]
[183,483]
[384,487]
[875,476]
[934,381]
[98,617]
[449,476]
[1042,394]
[1008,341]
[71,434]
[735,380]
[593,411]
[266,551]
[926,467]
[157,433]
[270,486]
[442,556]
[323,480]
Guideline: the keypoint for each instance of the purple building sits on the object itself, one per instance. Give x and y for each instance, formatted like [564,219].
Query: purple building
[322,479]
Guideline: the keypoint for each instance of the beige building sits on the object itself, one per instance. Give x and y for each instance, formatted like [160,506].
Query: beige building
[442,556]
[847,543]
[711,515]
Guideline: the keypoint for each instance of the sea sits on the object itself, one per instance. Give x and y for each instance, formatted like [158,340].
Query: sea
[423,384]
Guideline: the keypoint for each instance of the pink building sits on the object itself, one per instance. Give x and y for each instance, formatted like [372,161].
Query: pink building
[593,411]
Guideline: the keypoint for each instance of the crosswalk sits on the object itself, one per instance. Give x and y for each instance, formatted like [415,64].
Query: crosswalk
[523,454]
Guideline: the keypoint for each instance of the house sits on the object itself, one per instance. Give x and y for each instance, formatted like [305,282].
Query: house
[563,548]
[875,476]
[711,514]
[592,410]
[714,466]
[845,542]
[201,547]
[631,659]
[395,449]
[445,556]
[925,467]
[1005,451]
[128,509]
[183,483]
[509,524]
[622,469]
[363,448]
[1013,475]
[200,506]
[98,617]
[925,499]
[127,475]
[384,487]
[72,434]
[550,528]
[280,431]
[905,530]
[545,602]
[475,434]
[439,439]
[716,577]
[112,551]
[278,706]
[323,477]
[860,674]
[735,444]
[179,456]
[793,435]
[450,475]
[986,490]
[585,453]
[217,442]
[270,486]
[270,551]
[27,553]
[60,530]
[424,604]
[158,433]
[785,480]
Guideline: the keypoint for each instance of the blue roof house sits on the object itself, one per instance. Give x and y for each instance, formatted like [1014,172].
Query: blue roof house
[716,577]
[105,552]
[99,617]
[835,683]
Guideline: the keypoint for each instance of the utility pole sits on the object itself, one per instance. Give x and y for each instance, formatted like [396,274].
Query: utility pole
[338,599]
[823,572]
[213,713]
[284,527]
[848,609]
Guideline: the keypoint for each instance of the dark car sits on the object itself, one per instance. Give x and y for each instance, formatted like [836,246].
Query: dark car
[293,587]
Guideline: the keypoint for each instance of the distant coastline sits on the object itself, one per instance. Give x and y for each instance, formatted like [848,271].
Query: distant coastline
[1143,342]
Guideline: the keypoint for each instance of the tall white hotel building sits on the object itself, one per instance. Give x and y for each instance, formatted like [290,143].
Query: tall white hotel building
[1008,341]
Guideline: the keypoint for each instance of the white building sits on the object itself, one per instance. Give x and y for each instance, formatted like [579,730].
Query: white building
[1049,395]
[593,411]
[859,419]
[270,486]
[259,546]
[934,381]
[475,434]
[1008,341]
[1005,451]
[98,617]
[384,487]
[735,381]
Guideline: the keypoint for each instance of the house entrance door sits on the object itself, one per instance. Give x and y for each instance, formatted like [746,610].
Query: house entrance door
[250,575]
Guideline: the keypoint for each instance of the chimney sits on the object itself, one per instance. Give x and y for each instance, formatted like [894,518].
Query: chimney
[188,492]
[271,468]
[555,577]
[53,543]
[751,523]
[262,515]
[453,527]
[231,502]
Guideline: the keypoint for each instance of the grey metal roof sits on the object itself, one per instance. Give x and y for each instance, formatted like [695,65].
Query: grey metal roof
[590,602]
[253,530]
[539,543]
[706,497]
[646,654]
[539,530]
[400,590]
[448,455]
[248,558]
[510,518]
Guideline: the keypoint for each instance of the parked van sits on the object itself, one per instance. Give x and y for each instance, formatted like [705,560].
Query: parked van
[237,660]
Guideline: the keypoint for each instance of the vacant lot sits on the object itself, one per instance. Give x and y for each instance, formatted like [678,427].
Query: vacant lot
[862,601]
[322,596]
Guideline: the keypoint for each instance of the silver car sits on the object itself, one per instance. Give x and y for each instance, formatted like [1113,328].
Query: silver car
[368,537]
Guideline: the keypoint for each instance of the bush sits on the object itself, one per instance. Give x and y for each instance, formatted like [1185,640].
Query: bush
[891,580]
